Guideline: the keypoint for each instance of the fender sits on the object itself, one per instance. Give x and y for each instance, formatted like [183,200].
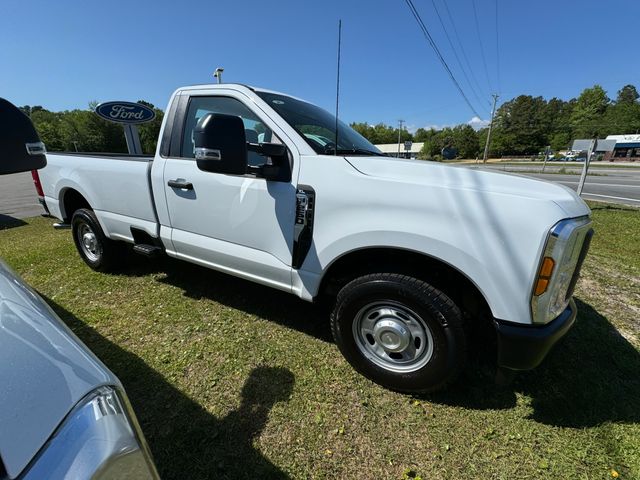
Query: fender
[317,264]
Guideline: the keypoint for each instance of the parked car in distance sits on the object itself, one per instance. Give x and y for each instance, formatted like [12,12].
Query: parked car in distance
[409,253]
[63,414]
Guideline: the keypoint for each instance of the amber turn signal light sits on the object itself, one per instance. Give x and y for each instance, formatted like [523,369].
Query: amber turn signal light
[546,270]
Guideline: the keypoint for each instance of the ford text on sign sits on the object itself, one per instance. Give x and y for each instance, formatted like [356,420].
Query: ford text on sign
[125,112]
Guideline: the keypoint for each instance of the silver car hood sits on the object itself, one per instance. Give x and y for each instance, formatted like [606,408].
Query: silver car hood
[44,371]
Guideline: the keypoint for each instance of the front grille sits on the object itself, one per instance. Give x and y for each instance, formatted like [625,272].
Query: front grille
[583,254]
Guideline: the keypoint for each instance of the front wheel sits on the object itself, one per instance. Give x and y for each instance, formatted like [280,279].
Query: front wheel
[97,251]
[400,332]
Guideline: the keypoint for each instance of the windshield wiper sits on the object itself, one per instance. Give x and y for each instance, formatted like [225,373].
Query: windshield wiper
[358,151]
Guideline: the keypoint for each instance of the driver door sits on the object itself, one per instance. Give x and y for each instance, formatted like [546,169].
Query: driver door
[239,224]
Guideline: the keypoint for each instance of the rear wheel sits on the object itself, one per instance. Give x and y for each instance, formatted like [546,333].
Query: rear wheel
[400,332]
[97,251]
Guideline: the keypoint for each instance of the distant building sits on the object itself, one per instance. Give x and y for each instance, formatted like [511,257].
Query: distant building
[626,149]
[391,149]
[614,148]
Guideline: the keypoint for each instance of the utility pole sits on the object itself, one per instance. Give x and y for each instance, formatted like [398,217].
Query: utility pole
[493,112]
[400,122]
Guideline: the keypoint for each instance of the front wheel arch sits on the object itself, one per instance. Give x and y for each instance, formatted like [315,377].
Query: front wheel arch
[419,265]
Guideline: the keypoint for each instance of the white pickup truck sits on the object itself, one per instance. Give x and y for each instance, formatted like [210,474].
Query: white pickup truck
[414,255]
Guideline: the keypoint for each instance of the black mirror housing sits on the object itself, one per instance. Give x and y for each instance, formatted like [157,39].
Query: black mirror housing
[220,144]
[20,147]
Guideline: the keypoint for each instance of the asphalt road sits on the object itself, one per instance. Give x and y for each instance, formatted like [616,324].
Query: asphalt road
[613,185]
[18,197]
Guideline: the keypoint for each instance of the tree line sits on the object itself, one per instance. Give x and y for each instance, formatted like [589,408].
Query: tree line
[526,125]
[83,131]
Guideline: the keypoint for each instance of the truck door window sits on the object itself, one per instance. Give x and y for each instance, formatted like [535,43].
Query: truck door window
[255,130]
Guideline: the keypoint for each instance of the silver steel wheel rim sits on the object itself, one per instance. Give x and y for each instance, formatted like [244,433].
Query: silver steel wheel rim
[89,243]
[393,337]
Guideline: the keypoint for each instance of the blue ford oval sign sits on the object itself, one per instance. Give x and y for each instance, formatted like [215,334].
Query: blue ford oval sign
[125,112]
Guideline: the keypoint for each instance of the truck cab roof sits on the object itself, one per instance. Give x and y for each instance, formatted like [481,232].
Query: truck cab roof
[220,86]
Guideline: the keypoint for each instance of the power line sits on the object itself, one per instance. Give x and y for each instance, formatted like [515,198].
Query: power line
[484,60]
[338,81]
[429,38]
[455,53]
[497,48]
[464,53]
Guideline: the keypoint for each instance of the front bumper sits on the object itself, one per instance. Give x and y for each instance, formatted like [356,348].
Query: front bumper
[522,347]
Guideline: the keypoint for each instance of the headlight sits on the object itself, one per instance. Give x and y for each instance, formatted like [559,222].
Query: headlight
[566,247]
[100,438]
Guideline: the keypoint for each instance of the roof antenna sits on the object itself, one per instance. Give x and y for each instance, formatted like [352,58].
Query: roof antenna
[218,74]
[338,82]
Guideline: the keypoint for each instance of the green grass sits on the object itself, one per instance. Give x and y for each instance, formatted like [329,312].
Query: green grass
[233,380]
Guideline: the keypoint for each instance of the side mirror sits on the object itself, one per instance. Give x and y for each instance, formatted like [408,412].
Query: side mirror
[20,147]
[220,144]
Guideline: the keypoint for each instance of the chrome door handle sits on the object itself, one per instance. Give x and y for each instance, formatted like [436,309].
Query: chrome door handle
[180,183]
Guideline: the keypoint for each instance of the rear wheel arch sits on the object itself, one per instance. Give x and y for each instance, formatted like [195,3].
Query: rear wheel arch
[70,201]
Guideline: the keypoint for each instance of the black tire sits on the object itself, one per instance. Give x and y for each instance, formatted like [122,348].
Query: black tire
[97,251]
[385,301]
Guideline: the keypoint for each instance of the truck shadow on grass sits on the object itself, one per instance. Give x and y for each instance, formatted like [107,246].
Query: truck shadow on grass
[185,439]
[202,283]
[589,378]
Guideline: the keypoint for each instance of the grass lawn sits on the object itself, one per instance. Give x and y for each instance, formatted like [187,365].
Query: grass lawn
[234,380]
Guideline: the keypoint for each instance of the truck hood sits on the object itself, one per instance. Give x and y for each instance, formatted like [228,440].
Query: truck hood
[442,175]
[44,372]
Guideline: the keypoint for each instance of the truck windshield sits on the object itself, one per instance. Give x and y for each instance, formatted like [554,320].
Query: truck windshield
[318,127]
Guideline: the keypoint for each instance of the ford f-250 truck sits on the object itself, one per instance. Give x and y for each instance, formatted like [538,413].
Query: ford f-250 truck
[413,254]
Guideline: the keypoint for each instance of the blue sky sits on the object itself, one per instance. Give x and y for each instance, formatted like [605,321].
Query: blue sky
[63,54]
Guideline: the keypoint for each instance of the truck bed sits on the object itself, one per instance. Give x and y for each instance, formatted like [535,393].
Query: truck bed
[115,185]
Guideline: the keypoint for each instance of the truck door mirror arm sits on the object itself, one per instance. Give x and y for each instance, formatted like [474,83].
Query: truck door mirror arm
[279,169]
[267,149]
